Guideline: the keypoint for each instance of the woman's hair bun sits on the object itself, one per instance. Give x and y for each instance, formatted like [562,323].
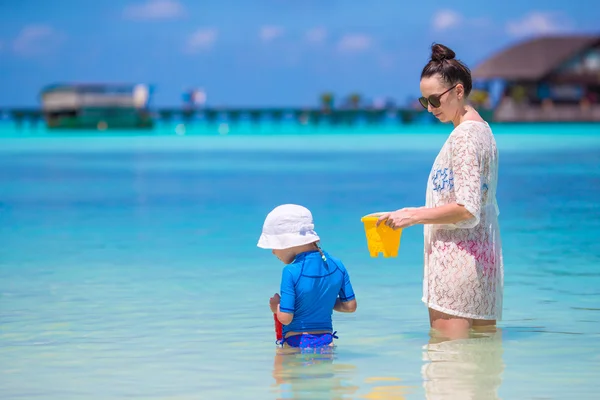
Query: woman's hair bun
[439,52]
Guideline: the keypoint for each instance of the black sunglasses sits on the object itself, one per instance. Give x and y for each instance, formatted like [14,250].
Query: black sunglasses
[434,99]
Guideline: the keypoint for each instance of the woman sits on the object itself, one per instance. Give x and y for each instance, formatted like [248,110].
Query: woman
[463,279]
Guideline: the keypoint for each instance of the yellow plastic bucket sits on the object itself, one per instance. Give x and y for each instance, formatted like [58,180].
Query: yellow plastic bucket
[382,238]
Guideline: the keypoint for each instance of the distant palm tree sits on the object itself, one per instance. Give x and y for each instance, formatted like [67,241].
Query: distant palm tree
[479,98]
[354,100]
[327,101]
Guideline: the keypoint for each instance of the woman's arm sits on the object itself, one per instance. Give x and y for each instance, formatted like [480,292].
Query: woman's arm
[447,214]
[467,173]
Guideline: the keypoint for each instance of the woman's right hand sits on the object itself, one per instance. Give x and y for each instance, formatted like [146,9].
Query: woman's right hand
[399,219]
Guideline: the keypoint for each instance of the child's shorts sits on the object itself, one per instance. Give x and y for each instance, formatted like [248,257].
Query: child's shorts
[305,341]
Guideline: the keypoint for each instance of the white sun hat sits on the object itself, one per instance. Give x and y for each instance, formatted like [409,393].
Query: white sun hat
[288,225]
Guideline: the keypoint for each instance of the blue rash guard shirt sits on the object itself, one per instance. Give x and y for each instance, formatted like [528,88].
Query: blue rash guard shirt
[309,290]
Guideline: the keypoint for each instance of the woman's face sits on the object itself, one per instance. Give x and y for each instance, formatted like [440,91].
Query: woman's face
[451,102]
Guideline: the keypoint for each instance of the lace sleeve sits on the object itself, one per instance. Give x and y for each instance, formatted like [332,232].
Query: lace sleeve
[466,168]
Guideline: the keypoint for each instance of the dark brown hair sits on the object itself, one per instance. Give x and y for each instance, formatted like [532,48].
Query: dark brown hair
[451,70]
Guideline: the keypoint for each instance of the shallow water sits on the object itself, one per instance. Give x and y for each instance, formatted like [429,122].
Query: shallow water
[129,267]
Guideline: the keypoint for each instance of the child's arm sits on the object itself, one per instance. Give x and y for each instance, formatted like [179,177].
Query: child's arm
[284,317]
[287,301]
[346,301]
[345,306]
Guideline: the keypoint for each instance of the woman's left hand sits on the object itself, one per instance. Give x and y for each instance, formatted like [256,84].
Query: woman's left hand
[399,219]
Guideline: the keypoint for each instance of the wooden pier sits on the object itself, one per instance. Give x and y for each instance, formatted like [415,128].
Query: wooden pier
[303,116]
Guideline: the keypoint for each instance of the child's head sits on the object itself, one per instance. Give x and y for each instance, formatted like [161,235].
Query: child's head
[288,231]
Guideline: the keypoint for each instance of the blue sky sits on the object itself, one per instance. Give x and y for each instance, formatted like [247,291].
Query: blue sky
[259,52]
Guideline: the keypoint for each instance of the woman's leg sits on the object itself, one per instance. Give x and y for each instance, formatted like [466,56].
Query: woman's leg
[484,325]
[484,322]
[450,326]
[455,327]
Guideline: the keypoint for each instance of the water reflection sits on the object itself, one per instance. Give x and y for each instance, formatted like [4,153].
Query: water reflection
[386,388]
[311,374]
[469,368]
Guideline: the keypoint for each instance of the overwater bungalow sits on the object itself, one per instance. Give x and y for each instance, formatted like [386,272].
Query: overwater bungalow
[553,78]
[96,106]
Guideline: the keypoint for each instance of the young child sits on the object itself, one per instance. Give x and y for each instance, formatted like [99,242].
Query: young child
[313,283]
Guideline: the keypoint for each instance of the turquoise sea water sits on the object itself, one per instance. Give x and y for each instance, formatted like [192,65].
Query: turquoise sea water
[129,267]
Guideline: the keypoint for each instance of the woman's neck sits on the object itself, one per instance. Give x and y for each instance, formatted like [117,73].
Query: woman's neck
[466,113]
[460,115]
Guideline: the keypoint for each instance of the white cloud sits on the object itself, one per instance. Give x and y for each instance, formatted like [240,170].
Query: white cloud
[354,42]
[154,9]
[316,35]
[36,39]
[202,39]
[538,23]
[446,19]
[270,32]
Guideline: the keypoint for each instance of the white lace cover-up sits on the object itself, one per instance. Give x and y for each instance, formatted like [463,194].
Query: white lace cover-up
[464,273]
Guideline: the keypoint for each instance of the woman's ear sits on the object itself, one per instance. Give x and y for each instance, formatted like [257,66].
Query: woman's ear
[460,91]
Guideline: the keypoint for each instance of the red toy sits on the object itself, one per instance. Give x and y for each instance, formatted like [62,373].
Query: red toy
[278,328]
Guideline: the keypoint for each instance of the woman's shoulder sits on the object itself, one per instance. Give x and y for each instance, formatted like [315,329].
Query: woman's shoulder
[470,124]
[471,127]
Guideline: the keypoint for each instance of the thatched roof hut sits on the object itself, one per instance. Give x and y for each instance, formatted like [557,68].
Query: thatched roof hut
[539,59]
[552,78]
